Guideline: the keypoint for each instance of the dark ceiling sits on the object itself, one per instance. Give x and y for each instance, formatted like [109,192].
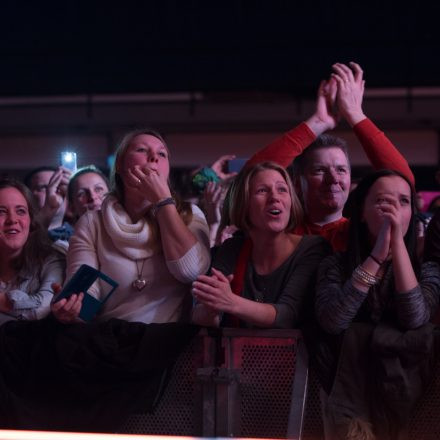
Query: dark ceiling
[72,47]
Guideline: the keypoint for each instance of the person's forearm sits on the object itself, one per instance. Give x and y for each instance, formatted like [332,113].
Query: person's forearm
[337,306]
[253,312]
[176,237]
[380,150]
[316,125]
[284,149]
[404,276]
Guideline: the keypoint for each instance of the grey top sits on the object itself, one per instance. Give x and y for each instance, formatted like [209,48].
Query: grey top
[288,287]
[338,302]
[31,293]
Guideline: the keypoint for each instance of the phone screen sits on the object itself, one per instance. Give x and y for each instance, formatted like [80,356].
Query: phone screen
[68,160]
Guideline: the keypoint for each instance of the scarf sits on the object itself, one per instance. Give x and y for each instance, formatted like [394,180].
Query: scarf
[131,239]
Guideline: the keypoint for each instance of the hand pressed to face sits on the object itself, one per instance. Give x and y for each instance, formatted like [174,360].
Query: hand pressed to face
[145,167]
[387,212]
[325,184]
[270,202]
[15,222]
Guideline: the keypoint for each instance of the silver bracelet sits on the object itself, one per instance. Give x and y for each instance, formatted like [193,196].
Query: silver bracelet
[364,277]
[160,203]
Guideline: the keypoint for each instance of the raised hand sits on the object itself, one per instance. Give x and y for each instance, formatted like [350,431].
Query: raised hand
[56,192]
[57,188]
[213,197]
[350,91]
[220,166]
[326,116]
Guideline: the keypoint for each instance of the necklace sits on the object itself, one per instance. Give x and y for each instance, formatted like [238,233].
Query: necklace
[139,283]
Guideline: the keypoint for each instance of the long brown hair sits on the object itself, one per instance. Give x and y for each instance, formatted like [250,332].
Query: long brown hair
[38,245]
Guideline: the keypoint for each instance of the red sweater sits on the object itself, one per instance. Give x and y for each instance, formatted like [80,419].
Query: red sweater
[378,148]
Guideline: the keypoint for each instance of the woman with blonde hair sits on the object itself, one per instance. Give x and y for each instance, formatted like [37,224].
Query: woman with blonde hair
[264,276]
[149,242]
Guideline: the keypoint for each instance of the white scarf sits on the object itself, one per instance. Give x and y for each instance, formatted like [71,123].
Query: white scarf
[129,238]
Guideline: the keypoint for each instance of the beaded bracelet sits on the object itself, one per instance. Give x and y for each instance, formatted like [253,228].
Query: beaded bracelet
[160,203]
[364,277]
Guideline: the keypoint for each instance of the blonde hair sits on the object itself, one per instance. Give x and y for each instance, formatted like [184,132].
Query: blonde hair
[240,194]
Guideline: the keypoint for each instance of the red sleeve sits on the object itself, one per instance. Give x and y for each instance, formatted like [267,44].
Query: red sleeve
[285,148]
[380,150]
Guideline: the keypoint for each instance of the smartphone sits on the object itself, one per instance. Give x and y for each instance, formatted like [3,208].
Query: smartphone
[84,278]
[68,160]
[235,165]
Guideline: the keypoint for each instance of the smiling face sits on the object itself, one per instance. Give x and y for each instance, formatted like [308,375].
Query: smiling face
[270,202]
[88,193]
[145,150]
[325,184]
[387,190]
[15,222]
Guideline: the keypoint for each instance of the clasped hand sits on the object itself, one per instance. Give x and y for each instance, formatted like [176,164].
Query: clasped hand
[214,291]
[391,228]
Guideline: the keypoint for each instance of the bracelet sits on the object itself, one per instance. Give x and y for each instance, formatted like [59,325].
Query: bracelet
[380,263]
[364,277]
[160,203]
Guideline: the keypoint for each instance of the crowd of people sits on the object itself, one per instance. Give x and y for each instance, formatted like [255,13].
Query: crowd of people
[284,243]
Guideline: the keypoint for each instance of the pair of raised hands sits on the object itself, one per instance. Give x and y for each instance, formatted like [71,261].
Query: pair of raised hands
[339,97]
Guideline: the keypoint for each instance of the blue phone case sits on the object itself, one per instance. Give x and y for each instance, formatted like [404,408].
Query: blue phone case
[84,277]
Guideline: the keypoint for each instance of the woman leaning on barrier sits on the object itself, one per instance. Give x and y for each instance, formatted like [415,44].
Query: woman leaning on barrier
[264,276]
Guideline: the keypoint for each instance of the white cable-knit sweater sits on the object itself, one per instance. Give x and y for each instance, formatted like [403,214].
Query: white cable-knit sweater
[109,241]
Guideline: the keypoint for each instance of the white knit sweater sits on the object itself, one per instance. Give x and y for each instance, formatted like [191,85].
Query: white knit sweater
[110,242]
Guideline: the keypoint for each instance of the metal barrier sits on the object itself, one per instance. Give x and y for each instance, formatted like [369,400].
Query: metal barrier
[253,383]
[233,382]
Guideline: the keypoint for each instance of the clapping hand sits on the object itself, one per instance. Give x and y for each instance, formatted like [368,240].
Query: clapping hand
[350,91]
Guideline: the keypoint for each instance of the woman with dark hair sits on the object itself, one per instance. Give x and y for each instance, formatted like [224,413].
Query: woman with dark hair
[28,264]
[152,244]
[377,300]
[87,189]
[271,268]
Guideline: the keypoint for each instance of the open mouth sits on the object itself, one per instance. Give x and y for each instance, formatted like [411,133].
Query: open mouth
[274,211]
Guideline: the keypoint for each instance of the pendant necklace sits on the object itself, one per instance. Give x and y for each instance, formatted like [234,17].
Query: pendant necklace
[139,283]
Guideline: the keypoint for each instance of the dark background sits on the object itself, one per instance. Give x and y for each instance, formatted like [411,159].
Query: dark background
[72,47]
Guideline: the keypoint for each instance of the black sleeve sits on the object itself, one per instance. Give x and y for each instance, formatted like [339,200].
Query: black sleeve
[432,239]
